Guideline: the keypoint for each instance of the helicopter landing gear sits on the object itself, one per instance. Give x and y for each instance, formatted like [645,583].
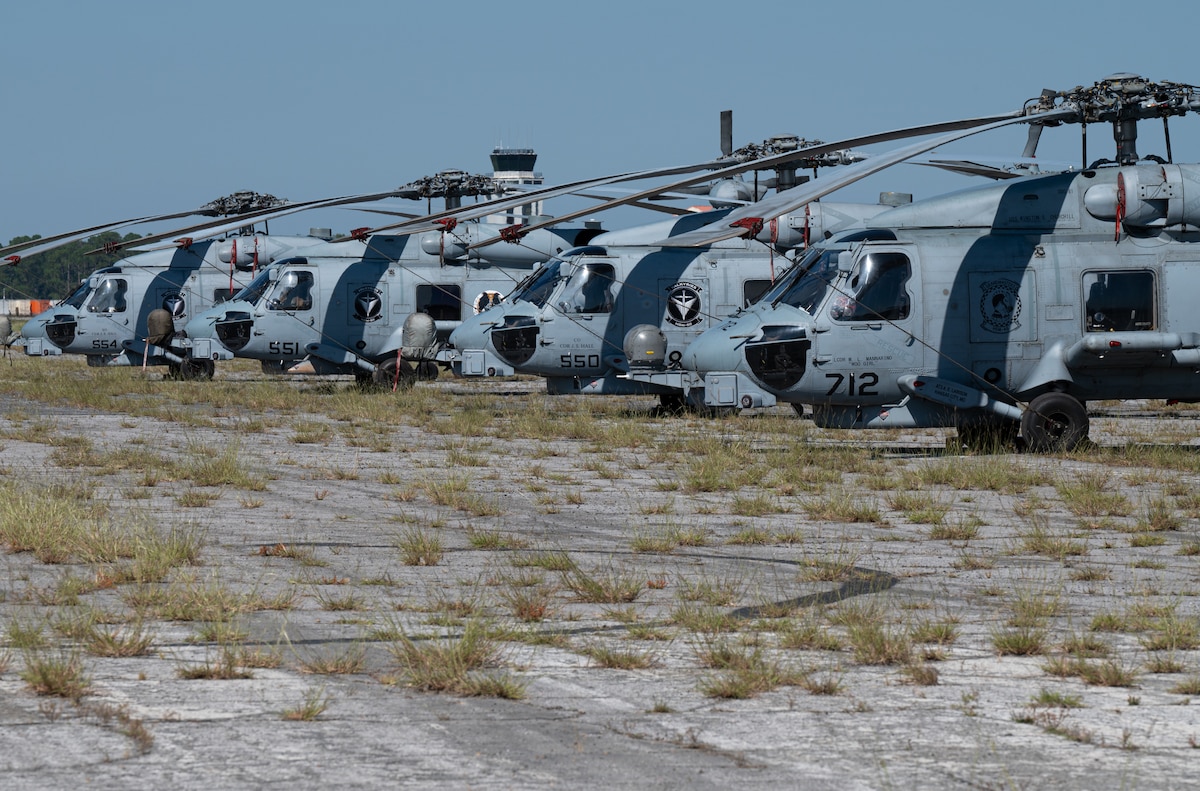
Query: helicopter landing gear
[427,371]
[190,370]
[672,403]
[394,373]
[1054,422]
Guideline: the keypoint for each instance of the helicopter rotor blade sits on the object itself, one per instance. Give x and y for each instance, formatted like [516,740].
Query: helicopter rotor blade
[726,133]
[222,225]
[772,162]
[783,202]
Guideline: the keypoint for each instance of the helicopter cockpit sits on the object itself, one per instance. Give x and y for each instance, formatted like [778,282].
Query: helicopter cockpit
[108,295]
[293,291]
[589,289]
[254,290]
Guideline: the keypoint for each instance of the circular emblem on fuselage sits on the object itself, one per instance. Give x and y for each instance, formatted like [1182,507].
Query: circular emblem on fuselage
[684,305]
[174,304]
[487,299]
[1000,305]
[368,304]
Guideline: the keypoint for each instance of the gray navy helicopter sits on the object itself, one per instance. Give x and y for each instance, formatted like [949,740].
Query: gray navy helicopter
[108,317]
[386,317]
[375,304]
[134,313]
[994,309]
[598,318]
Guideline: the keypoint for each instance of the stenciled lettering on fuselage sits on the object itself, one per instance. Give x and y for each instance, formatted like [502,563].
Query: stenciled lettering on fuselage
[684,306]
[368,304]
[1000,305]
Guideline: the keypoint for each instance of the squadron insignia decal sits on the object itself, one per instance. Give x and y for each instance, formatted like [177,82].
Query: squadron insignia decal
[487,299]
[684,305]
[174,304]
[1000,306]
[368,304]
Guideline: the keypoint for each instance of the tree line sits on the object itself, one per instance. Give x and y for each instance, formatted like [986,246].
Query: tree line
[56,273]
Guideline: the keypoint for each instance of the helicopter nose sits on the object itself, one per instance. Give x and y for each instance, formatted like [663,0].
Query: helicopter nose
[719,348]
[472,333]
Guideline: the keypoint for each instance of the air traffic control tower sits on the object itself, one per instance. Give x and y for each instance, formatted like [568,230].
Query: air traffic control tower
[515,166]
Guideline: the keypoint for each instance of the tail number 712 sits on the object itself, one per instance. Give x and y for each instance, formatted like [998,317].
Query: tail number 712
[866,384]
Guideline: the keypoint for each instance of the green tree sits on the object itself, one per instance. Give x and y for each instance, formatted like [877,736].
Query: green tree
[55,273]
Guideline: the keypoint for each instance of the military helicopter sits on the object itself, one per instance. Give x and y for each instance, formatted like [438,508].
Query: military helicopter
[569,321]
[993,309]
[649,300]
[357,305]
[134,313]
[107,317]
[354,319]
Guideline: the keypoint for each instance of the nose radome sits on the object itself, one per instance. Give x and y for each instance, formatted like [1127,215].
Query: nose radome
[718,349]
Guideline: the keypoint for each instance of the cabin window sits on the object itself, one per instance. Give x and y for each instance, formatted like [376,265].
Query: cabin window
[589,290]
[222,295]
[1118,301]
[877,290]
[752,291]
[443,303]
[292,292]
[109,296]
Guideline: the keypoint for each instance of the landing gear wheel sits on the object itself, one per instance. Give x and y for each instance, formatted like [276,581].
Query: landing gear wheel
[1054,422]
[386,377]
[671,403]
[427,371]
[190,370]
[987,433]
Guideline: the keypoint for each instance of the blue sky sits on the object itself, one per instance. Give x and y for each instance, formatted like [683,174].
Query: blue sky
[125,108]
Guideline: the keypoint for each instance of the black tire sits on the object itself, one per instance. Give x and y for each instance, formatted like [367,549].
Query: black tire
[1054,423]
[988,433]
[427,371]
[192,370]
[672,403]
[386,374]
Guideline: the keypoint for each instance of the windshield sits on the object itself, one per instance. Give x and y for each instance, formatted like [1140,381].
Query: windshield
[589,289]
[109,296]
[805,284]
[537,287]
[77,296]
[253,291]
[292,292]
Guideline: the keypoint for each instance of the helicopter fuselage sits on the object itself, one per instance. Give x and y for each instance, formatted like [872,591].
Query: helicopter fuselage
[973,304]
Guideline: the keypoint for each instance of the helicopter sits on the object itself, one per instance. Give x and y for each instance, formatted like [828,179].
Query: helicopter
[659,297]
[1000,311]
[109,317]
[357,321]
[570,321]
[356,307]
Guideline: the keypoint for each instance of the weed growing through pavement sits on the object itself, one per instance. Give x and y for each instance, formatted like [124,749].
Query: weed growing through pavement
[58,673]
[315,702]
[419,547]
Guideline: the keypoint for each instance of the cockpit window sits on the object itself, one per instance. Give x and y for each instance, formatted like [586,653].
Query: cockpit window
[589,289]
[292,292]
[877,290]
[77,296]
[537,287]
[109,296]
[253,291]
[805,284]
